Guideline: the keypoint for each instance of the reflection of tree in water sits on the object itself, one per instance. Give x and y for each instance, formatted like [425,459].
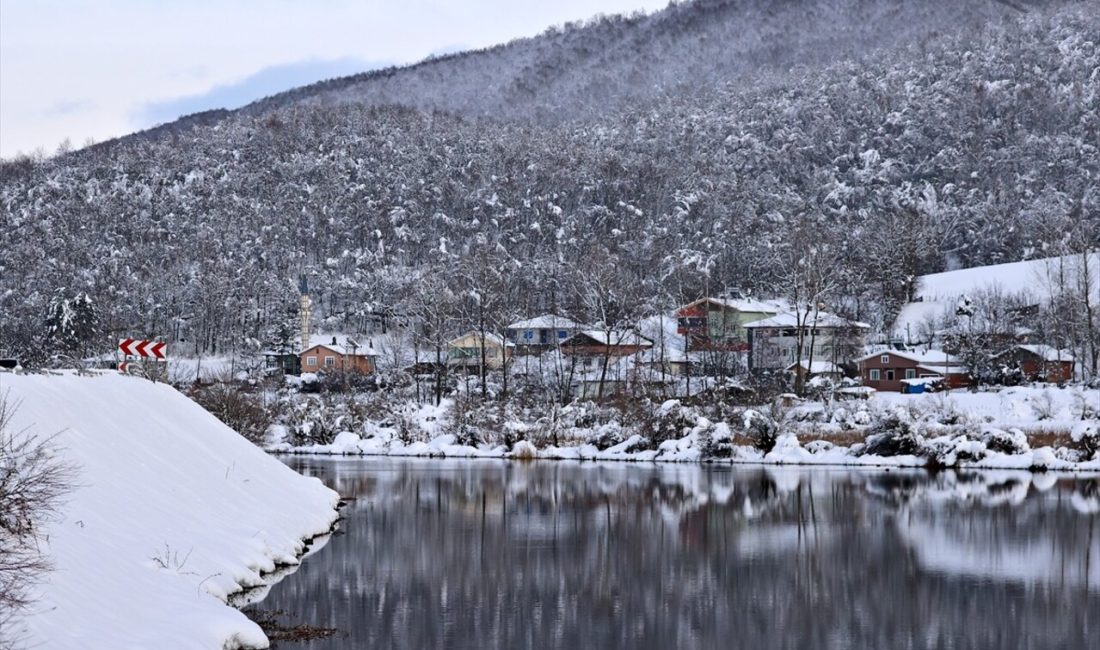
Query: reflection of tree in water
[485,555]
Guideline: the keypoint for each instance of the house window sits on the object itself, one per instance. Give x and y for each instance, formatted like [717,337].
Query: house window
[910,373]
[528,335]
[561,334]
[885,358]
[311,361]
[330,361]
[875,374]
[889,375]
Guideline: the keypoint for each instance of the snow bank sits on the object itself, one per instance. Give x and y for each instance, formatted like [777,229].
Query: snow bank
[173,511]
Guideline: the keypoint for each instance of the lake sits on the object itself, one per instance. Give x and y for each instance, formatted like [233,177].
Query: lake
[465,554]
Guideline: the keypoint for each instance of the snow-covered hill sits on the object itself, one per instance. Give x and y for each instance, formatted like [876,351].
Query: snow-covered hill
[172,512]
[1035,281]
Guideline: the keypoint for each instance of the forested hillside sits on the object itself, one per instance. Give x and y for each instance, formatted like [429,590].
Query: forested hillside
[968,137]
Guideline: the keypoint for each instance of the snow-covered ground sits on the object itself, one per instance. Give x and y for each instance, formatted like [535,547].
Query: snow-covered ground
[805,434]
[171,513]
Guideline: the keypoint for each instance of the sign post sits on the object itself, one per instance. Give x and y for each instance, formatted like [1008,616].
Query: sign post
[143,350]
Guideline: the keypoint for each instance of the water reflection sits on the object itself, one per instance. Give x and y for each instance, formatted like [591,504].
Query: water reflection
[489,554]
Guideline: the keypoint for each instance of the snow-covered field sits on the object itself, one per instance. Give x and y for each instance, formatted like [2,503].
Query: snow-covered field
[171,513]
[805,434]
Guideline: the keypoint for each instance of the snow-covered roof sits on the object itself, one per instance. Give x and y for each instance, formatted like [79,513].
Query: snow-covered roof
[545,322]
[342,344]
[817,367]
[1044,352]
[489,337]
[744,304]
[821,319]
[617,337]
[929,358]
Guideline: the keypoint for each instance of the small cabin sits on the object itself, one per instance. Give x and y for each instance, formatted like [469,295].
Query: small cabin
[334,356]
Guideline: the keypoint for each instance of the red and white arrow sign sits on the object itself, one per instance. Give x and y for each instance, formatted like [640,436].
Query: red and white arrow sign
[141,348]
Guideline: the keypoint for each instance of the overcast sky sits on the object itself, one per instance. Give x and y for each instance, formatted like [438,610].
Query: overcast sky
[79,69]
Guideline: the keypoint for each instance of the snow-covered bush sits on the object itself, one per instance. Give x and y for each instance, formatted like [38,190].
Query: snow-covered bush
[1012,441]
[1086,438]
[714,440]
[761,430]
[948,451]
[320,418]
[818,446]
[1044,406]
[606,435]
[892,434]
[669,421]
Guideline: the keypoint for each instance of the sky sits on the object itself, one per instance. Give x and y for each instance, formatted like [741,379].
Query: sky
[81,70]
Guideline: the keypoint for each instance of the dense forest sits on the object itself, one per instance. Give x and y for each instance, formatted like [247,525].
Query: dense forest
[606,170]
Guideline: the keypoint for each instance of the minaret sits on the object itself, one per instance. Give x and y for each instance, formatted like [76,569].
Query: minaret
[303,310]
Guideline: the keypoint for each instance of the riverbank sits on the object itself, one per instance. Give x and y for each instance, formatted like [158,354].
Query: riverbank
[170,513]
[1024,428]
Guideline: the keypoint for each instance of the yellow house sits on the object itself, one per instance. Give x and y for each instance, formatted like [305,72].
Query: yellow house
[465,351]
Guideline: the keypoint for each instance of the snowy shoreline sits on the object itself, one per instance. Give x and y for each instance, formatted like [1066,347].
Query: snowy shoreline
[171,515]
[787,452]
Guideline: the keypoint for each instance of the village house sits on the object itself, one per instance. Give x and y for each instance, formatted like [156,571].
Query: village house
[465,351]
[773,342]
[910,372]
[602,344]
[541,333]
[286,363]
[606,360]
[1038,362]
[718,323]
[325,354]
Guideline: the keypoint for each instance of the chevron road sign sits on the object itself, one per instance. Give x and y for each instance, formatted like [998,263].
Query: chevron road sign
[140,348]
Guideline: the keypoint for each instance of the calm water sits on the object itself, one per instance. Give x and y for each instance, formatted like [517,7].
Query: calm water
[488,554]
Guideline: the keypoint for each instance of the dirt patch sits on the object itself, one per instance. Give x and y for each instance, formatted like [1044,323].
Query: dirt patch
[279,627]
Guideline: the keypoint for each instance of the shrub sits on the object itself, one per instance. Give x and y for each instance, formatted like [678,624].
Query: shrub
[670,421]
[715,441]
[239,409]
[1043,405]
[33,481]
[1086,438]
[761,430]
[1012,441]
[894,435]
[606,435]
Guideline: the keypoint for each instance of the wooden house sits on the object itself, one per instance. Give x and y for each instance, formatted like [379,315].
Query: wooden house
[773,342]
[719,323]
[325,354]
[1038,362]
[466,351]
[903,372]
[541,333]
[605,344]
